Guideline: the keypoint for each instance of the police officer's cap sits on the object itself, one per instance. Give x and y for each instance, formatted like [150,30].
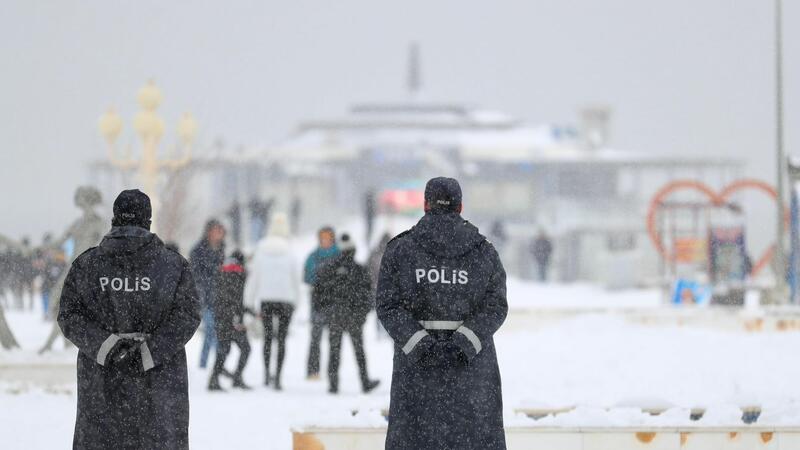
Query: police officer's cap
[132,208]
[443,194]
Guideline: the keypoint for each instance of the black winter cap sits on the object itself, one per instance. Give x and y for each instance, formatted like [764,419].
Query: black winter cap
[443,194]
[132,208]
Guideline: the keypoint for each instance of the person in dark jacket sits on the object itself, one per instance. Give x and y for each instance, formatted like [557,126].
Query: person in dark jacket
[345,298]
[206,259]
[323,254]
[130,306]
[442,296]
[542,248]
[229,313]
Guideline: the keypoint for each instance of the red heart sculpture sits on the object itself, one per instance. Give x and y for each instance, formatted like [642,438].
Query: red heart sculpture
[717,199]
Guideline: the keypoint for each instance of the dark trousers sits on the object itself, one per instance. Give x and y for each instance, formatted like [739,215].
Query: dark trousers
[542,267]
[283,311]
[356,333]
[317,326]
[224,347]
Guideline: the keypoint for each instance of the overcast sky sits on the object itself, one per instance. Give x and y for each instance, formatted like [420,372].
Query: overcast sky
[683,76]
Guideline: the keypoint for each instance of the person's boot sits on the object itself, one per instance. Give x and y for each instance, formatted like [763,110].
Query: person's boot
[213,384]
[333,387]
[370,385]
[238,382]
[278,386]
[267,379]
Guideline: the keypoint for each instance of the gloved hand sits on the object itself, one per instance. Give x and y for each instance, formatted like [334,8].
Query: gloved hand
[119,347]
[430,354]
[126,357]
[452,356]
[443,354]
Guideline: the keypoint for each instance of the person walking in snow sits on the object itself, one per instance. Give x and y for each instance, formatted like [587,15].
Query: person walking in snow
[345,297]
[206,260]
[52,268]
[442,296]
[542,249]
[229,310]
[273,289]
[324,253]
[130,306]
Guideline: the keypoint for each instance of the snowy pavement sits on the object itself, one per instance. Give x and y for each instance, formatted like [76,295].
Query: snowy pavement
[590,361]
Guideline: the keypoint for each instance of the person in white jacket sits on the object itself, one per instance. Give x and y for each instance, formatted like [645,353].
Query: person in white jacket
[273,288]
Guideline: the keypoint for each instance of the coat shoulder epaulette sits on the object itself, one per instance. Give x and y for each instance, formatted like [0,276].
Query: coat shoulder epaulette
[398,237]
[173,250]
[85,252]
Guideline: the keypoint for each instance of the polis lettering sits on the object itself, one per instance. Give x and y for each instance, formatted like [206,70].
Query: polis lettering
[125,284]
[442,275]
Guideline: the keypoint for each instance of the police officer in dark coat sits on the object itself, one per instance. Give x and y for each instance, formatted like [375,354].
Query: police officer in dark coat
[130,306]
[345,298]
[229,313]
[442,296]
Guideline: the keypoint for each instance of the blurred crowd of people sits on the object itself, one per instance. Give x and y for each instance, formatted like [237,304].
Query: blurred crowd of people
[27,273]
[266,286]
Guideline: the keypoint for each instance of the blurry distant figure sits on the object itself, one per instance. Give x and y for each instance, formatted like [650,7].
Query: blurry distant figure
[26,274]
[229,310]
[294,213]
[374,261]
[542,249]
[21,272]
[7,340]
[259,216]
[235,215]
[206,260]
[345,296]
[374,266]
[498,233]
[273,289]
[324,253]
[747,265]
[52,265]
[15,276]
[5,272]
[370,209]
[130,306]
[83,234]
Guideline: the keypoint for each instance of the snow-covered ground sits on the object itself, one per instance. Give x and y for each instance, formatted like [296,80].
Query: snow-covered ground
[590,361]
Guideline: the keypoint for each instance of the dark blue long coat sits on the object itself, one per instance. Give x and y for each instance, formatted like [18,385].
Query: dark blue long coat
[442,280]
[131,285]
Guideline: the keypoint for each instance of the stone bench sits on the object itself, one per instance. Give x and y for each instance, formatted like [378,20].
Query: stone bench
[615,438]
[750,414]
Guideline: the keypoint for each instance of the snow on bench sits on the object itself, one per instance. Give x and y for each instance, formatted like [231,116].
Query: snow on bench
[750,414]
[575,438]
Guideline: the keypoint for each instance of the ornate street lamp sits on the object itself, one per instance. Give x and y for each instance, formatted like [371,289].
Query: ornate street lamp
[150,128]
